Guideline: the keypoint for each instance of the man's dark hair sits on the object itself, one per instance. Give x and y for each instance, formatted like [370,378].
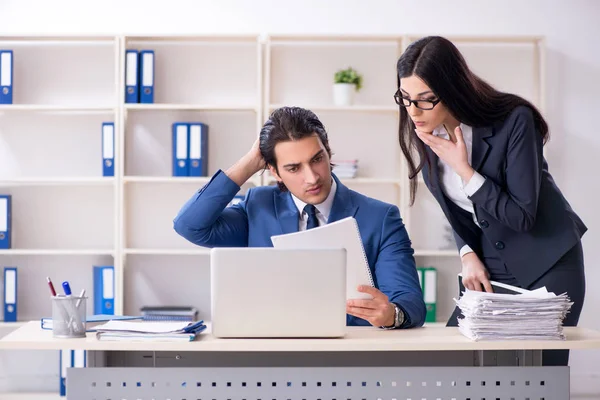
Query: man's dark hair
[287,124]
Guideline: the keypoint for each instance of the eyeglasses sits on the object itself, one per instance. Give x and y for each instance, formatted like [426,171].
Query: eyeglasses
[421,104]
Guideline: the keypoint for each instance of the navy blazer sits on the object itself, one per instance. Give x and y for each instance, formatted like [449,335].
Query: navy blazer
[521,211]
[267,211]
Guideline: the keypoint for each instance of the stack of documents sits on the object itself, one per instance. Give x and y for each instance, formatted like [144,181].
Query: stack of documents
[345,169]
[531,315]
[149,331]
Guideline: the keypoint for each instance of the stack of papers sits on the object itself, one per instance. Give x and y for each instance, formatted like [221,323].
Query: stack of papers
[532,315]
[345,169]
[149,331]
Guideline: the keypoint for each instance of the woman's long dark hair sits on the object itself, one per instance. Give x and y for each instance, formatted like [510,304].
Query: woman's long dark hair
[469,98]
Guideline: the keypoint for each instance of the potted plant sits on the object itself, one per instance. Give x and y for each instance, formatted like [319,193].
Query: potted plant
[346,83]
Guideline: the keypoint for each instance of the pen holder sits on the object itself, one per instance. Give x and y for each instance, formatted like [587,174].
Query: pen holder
[68,316]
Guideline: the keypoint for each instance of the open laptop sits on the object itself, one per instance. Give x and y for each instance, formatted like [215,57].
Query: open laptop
[267,292]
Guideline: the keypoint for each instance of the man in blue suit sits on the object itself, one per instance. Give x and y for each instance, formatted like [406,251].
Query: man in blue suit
[293,144]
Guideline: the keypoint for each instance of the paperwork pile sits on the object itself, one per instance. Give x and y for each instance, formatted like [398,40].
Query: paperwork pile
[149,331]
[532,315]
[345,169]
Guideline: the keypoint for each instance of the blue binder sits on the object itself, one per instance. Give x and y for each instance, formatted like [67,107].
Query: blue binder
[147,76]
[10,294]
[6,76]
[131,77]
[5,221]
[104,290]
[108,149]
[180,149]
[198,149]
[79,358]
[64,361]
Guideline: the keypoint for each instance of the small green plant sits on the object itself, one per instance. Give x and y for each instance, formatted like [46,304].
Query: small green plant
[349,75]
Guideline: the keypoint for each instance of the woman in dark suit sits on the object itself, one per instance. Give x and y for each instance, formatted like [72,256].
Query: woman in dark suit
[480,152]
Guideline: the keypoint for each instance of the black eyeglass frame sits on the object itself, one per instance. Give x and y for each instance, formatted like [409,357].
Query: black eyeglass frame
[399,99]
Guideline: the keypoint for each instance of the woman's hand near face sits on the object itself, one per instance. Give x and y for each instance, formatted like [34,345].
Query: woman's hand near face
[454,154]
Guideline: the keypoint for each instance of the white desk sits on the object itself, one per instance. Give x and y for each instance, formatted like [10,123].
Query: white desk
[431,338]
[363,365]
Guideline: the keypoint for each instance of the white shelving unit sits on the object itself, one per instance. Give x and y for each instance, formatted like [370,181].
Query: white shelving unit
[231,83]
[67,217]
[216,80]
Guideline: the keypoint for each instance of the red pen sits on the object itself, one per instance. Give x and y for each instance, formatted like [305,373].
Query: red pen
[51,287]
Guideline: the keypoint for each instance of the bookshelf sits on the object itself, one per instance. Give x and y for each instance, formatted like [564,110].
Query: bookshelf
[68,192]
[67,217]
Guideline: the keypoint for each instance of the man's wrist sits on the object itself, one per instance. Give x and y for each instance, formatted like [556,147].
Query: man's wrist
[391,320]
[398,317]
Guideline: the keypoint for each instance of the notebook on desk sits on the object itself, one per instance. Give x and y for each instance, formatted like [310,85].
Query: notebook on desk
[150,331]
[343,234]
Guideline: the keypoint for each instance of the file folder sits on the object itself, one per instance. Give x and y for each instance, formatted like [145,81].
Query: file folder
[420,275]
[180,149]
[108,149]
[198,149]
[79,358]
[5,221]
[70,359]
[65,361]
[131,77]
[6,76]
[10,294]
[430,293]
[104,290]
[147,76]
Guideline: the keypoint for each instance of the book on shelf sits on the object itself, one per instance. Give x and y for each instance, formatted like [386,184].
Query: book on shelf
[428,281]
[345,169]
[169,313]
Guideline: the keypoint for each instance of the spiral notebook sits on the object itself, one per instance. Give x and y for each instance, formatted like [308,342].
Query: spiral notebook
[340,234]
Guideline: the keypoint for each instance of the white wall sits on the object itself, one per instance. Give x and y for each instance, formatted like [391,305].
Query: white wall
[573,68]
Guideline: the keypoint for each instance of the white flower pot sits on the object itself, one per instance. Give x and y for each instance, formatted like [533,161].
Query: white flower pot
[343,94]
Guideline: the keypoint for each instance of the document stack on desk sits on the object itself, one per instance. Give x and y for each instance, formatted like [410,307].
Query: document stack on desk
[149,331]
[532,315]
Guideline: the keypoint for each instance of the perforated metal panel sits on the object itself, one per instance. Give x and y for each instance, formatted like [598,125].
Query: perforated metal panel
[346,383]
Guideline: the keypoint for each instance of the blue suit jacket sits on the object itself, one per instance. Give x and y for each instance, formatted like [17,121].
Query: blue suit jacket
[266,211]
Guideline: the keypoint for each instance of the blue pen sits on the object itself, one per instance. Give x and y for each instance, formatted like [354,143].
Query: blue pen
[66,288]
[72,313]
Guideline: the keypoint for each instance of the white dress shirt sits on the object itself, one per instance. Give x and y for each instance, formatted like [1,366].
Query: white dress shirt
[322,210]
[453,185]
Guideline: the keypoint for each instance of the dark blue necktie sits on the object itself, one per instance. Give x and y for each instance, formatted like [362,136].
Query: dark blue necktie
[312,221]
